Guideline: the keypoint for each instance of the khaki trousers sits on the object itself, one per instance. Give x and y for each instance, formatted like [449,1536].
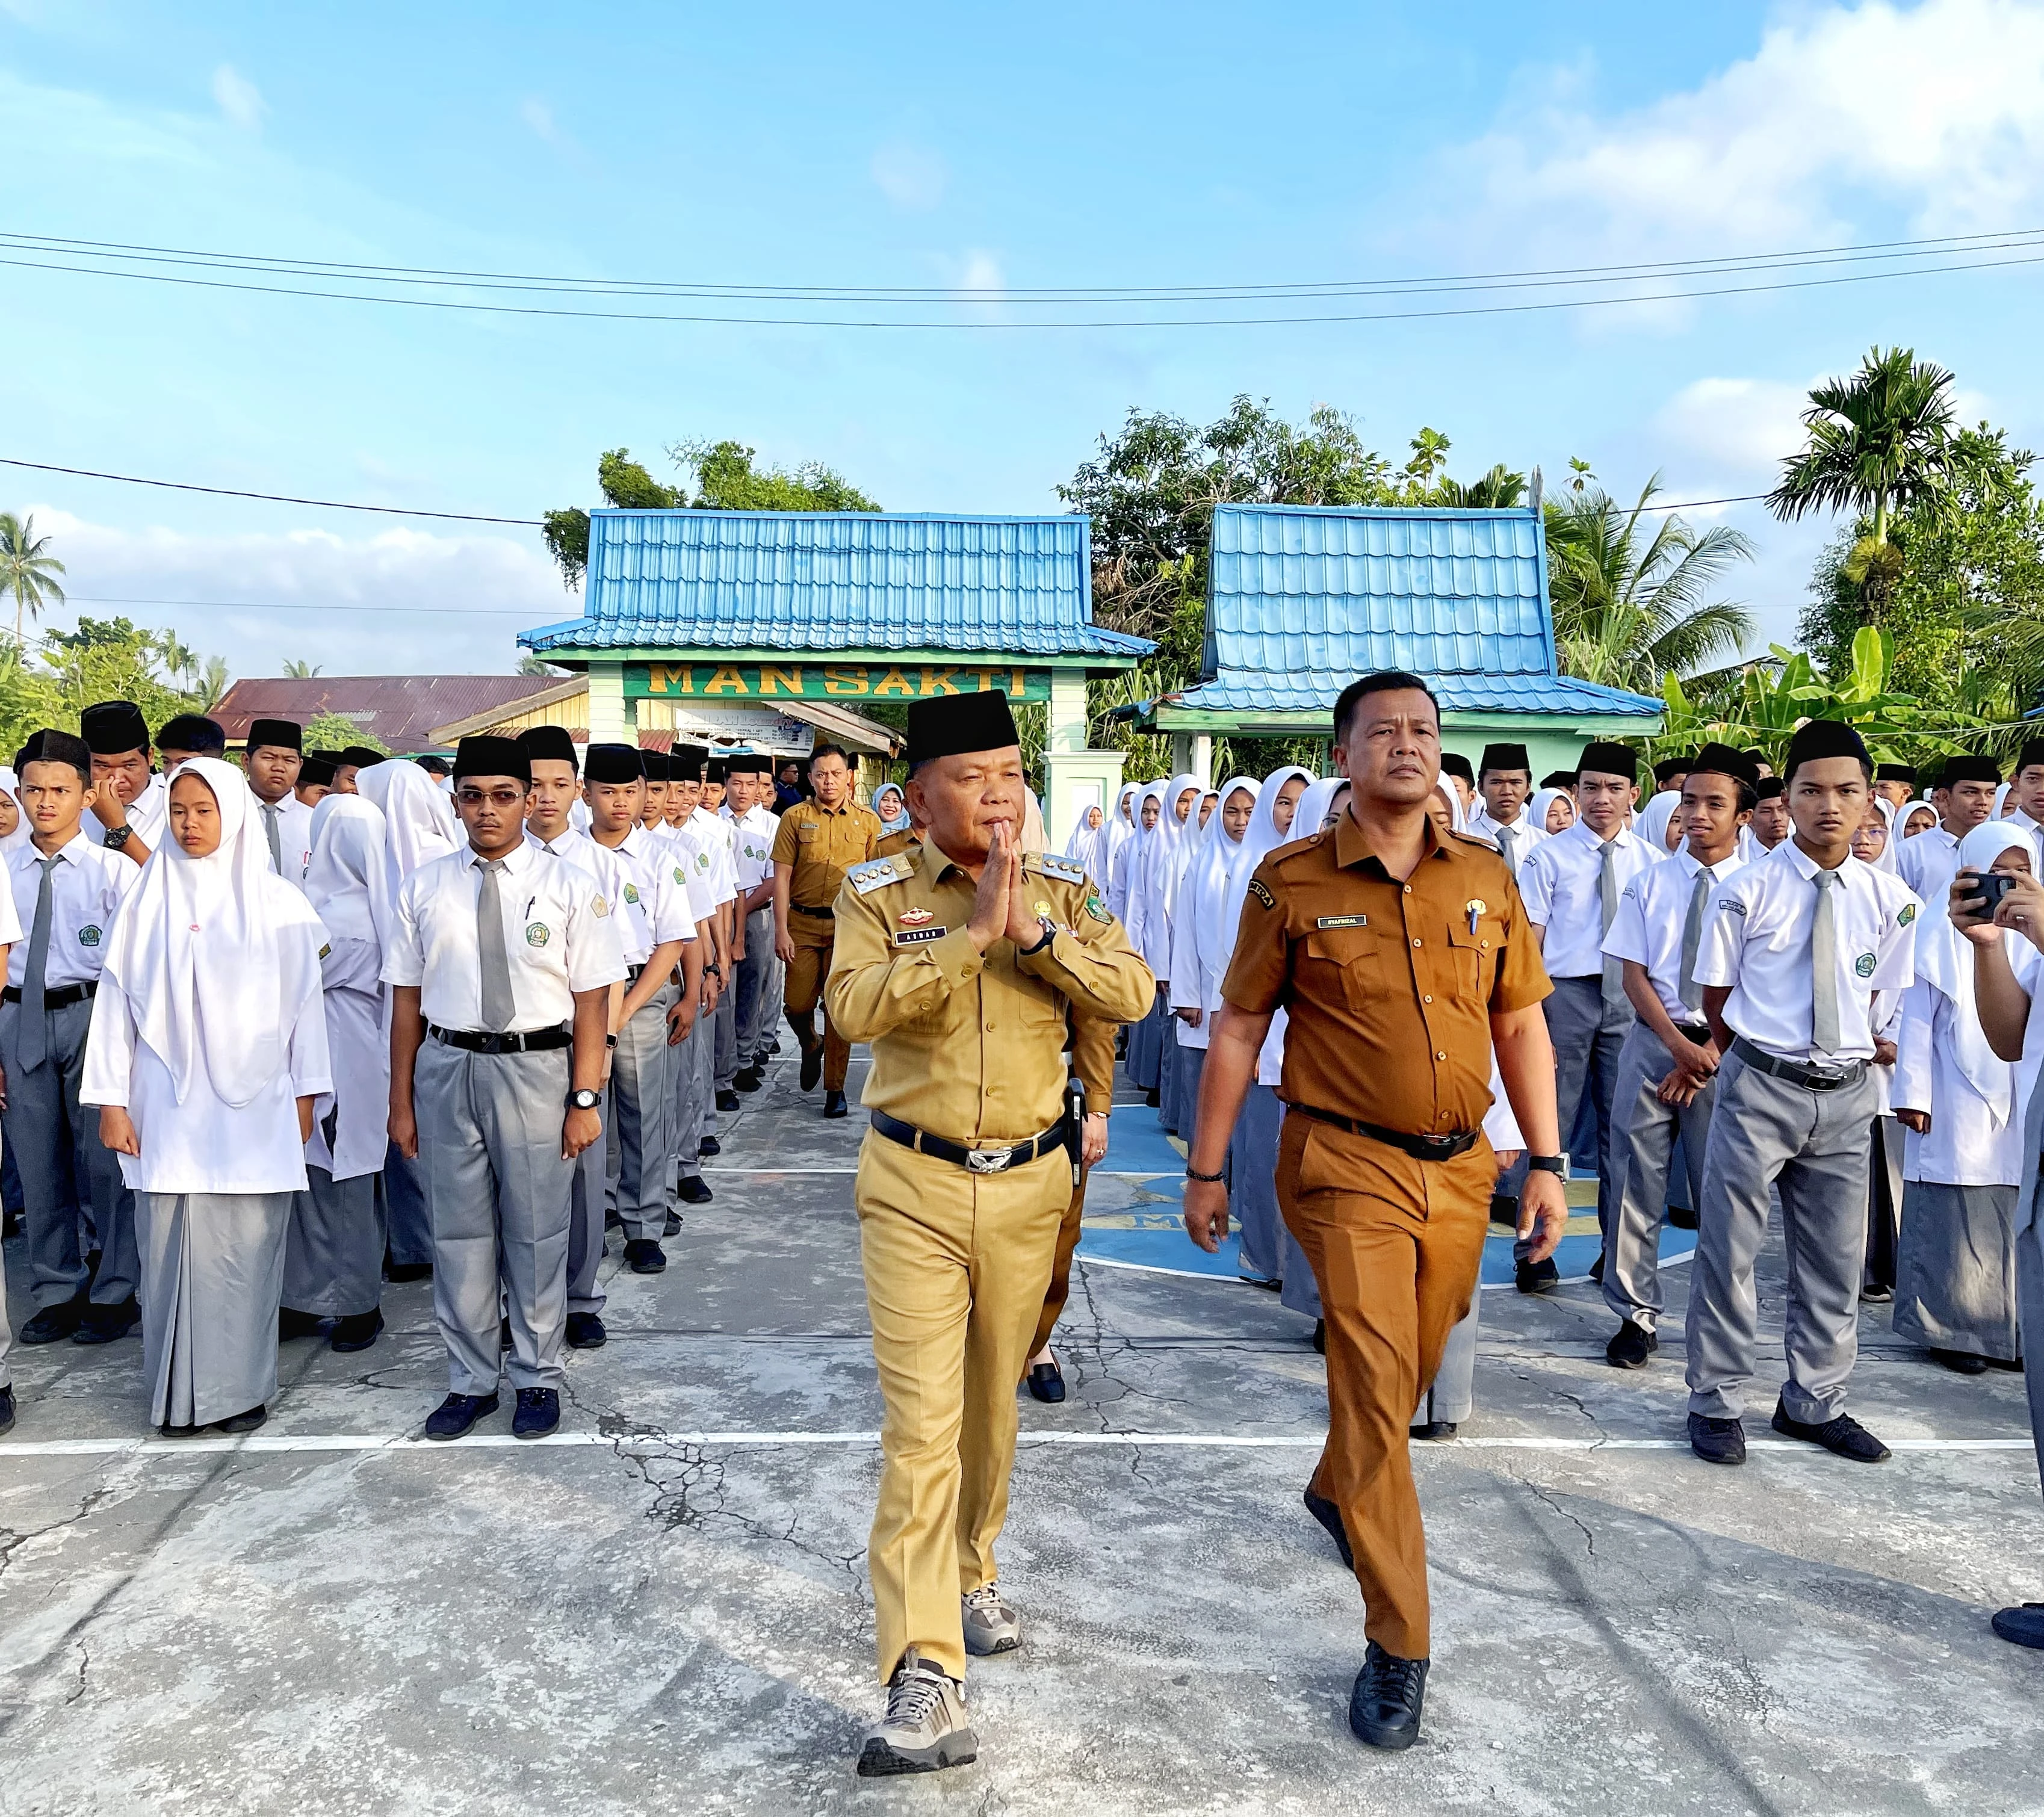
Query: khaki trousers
[956,1264]
[1069,1227]
[1395,1245]
[814,939]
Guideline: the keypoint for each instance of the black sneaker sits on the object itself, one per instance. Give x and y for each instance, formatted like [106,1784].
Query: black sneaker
[813,1066]
[357,1331]
[293,1323]
[2022,1623]
[1536,1276]
[727,1099]
[54,1323]
[1842,1435]
[834,1106]
[246,1421]
[108,1325]
[693,1190]
[1435,1429]
[6,1410]
[1961,1363]
[403,1271]
[1717,1441]
[1630,1345]
[644,1256]
[539,1413]
[708,1148]
[745,1079]
[585,1331]
[1330,1517]
[454,1415]
[1384,1708]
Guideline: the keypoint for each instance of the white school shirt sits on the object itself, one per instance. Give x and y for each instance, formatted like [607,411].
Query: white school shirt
[294,834]
[559,940]
[146,814]
[86,890]
[659,886]
[1757,940]
[753,834]
[1652,912]
[1964,1148]
[1525,836]
[681,851]
[616,882]
[1928,863]
[713,836]
[1559,884]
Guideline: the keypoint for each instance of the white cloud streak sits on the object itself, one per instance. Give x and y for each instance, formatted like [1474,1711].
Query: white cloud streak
[239,98]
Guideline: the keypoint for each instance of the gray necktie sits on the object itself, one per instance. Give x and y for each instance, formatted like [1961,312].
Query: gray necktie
[1693,936]
[1824,968]
[272,819]
[1508,837]
[1614,970]
[33,1044]
[498,1006]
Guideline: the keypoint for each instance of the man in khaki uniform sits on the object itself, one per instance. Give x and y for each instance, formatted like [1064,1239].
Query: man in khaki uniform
[1405,960]
[959,960]
[817,843]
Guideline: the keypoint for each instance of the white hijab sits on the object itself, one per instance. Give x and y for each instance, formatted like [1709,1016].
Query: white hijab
[1543,799]
[418,817]
[1315,807]
[1259,839]
[2001,800]
[196,951]
[1945,962]
[1886,861]
[1087,846]
[348,880]
[23,832]
[1204,894]
[1653,818]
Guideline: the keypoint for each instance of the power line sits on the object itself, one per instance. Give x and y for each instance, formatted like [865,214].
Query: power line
[272,497]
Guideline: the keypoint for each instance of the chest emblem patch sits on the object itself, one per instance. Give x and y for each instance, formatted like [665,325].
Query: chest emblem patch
[632,892]
[915,917]
[597,907]
[538,934]
[1864,965]
[1343,921]
[1042,908]
[919,936]
[88,936]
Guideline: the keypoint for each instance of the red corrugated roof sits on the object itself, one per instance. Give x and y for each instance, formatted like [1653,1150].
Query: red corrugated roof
[398,711]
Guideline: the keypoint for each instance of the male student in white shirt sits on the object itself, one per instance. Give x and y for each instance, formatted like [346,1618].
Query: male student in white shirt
[1667,1068]
[1795,947]
[1928,863]
[125,812]
[2026,795]
[749,786]
[1571,884]
[272,758]
[1504,781]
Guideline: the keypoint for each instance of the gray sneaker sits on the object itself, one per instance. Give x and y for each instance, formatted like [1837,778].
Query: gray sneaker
[925,1728]
[991,1624]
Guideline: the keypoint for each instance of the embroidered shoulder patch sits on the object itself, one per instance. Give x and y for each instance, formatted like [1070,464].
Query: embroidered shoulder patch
[600,908]
[1054,865]
[874,873]
[1262,895]
[1732,904]
[681,876]
[1096,909]
[1906,915]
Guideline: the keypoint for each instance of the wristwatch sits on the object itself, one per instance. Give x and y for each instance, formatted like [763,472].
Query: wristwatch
[114,838]
[1049,933]
[585,1099]
[1557,1165]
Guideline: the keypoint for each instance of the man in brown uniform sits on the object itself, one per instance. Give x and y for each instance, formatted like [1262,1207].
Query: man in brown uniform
[818,842]
[1403,959]
[959,960]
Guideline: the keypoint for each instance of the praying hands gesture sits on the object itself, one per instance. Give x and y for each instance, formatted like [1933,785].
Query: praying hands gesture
[1000,905]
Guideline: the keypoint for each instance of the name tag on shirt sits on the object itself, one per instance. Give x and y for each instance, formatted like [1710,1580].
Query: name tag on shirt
[1343,921]
[919,936]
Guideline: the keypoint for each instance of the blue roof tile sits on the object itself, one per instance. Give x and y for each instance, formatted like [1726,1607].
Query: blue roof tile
[738,580]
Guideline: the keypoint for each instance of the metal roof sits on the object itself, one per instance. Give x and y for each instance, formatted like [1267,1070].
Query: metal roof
[1302,599]
[833,581]
[400,712]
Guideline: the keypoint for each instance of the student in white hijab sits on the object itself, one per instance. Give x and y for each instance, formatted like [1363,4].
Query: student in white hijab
[333,1264]
[1146,1044]
[1200,946]
[1151,905]
[1654,821]
[14,827]
[1541,810]
[208,1055]
[1963,1159]
[1175,1107]
[419,827]
[1087,846]
[1316,809]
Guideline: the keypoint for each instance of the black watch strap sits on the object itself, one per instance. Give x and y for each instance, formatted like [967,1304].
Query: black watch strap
[1558,1164]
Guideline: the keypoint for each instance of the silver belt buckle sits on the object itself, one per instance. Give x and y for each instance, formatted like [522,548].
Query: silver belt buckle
[988,1160]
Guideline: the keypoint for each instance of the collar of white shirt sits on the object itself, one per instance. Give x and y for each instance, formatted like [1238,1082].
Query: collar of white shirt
[520,858]
[1853,872]
[1624,838]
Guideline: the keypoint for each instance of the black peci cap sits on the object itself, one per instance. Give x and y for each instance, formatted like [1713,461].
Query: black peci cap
[956,723]
[1722,760]
[1671,767]
[1816,739]
[1906,772]
[112,727]
[50,745]
[1768,787]
[616,763]
[1454,763]
[1608,760]
[316,771]
[717,770]
[361,756]
[277,734]
[487,756]
[548,743]
[1558,779]
[1970,766]
[1505,757]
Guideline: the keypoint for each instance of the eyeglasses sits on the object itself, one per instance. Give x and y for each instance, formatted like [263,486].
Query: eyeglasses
[495,797]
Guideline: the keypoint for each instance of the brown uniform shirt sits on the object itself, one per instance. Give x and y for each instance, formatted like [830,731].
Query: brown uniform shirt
[1390,987]
[820,845]
[966,1045]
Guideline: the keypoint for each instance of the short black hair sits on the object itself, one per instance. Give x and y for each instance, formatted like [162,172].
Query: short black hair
[824,750]
[1378,681]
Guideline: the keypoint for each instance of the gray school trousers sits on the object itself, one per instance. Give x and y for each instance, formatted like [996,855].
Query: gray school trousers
[2030,1300]
[726,1061]
[489,1133]
[757,1002]
[1588,1034]
[636,1142]
[1643,1145]
[1765,1131]
[685,1081]
[587,1210]
[58,1154]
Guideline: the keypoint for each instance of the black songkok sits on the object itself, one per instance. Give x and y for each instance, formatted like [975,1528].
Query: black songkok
[618,763]
[1558,779]
[486,756]
[1722,760]
[1505,757]
[361,756]
[1610,760]
[1817,738]
[278,734]
[49,746]
[1906,772]
[548,743]
[718,769]
[952,724]
[113,727]
[1970,767]
[685,762]
[1768,787]
[1671,767]
[316,771]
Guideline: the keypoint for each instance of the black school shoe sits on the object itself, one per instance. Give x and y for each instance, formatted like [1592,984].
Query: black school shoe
[834,1106]
[293,1323]
[670,1225]
[1961,1363]
[400,1272]
[6,1410]
[1842,1435]
[813,1066]
[53,1324]
[693,1190]
[1717,1441]
[539,1413]
[708,1148]
[246,1421]
[644,1256]
[108,1325]
[358,1330]
[1330,1517]
[745,1079]
[1047,1383]
[1536,1276]
[585,1331]
[1390,1692]
[1434,1429]
[727,1101]
[1681,1218]
[456,1413]
[2023,1624]
[1630,1345]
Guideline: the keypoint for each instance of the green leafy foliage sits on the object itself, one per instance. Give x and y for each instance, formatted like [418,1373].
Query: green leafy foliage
[28,570]
[103,659]
[336,732]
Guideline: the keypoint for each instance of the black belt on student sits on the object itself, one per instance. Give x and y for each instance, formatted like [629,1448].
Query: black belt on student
[1420,1147]
[826,912]
[973,1160]
[490,1041]
[1810,1078]
[1699,1032]
[62,997]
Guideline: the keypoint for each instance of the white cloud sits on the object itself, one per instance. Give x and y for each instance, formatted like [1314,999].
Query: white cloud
[1738,428]
[1936,110]
[983,272]
[238,97]
[909,176]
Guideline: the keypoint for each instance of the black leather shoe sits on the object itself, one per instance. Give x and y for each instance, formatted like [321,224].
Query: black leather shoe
[708,1148]
[108,1325]
[1153,1098]
[585,1331]
[2024,1625]
[403,1271]
[1717,1441]
[539,1412]
[1047,1383]
[1630,1345]
[671,1225]
[1384,1708]
[745,1079]
[1330,1517]
[2013,1364]
[612,1222]
[813,1066]
[1536,1276]
[54,1323]
[728,1100]
[454,1415]
[834,1106]
[293,1323]
[644,1256]
[1320,1336]
[693,1190]
[1961,1363]
[1877,1293]
[243,1422]
[1435,1429]
[6,1410]
[1681,1218]
[1842,1435]
[358,1330]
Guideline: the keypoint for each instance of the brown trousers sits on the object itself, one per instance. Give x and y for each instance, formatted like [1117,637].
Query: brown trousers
[1061,1268]
[814,939]
[1395,1245]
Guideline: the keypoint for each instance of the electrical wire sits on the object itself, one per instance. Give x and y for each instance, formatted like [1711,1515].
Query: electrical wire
[273,497]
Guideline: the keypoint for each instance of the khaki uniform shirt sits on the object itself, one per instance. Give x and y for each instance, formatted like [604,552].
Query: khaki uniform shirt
[1390,987]
[819,845]
[965,1045]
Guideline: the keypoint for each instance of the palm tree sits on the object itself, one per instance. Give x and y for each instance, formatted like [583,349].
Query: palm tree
[302,671]
[1628,587]
[26,567]
[210,683]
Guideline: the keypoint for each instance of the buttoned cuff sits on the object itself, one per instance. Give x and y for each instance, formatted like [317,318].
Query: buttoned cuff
[956,956]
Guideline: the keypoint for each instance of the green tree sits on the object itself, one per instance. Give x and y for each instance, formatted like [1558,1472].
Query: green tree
[1629,590]
[27,569]
[336,732]
[301,670]
[210,683]
[112,658]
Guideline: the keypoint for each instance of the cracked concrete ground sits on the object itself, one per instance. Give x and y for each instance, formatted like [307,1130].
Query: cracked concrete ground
[667,1609]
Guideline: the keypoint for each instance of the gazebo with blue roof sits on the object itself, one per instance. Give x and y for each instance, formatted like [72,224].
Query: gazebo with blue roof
[1302,599]
[800,612]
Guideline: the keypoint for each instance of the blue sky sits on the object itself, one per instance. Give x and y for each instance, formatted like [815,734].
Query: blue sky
[1024,147]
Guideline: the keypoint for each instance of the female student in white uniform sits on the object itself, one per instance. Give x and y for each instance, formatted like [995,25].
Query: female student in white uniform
[1202,943]
[1146,1044]
[1176,1101]
[208,1054]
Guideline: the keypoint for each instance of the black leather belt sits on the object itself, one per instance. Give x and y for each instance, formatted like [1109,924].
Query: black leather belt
[1810,1078]
[488,1041]
[825,914]
[61,998]
[1699,1032]
[1420,1147]
[973,1160]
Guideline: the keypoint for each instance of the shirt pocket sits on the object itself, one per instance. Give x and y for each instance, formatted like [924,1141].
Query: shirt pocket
[1349,962]
[1475,957]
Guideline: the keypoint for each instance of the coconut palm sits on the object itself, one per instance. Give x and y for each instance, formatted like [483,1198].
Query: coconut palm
[301,670]
[26,569]
[209,682]
[1628,590]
